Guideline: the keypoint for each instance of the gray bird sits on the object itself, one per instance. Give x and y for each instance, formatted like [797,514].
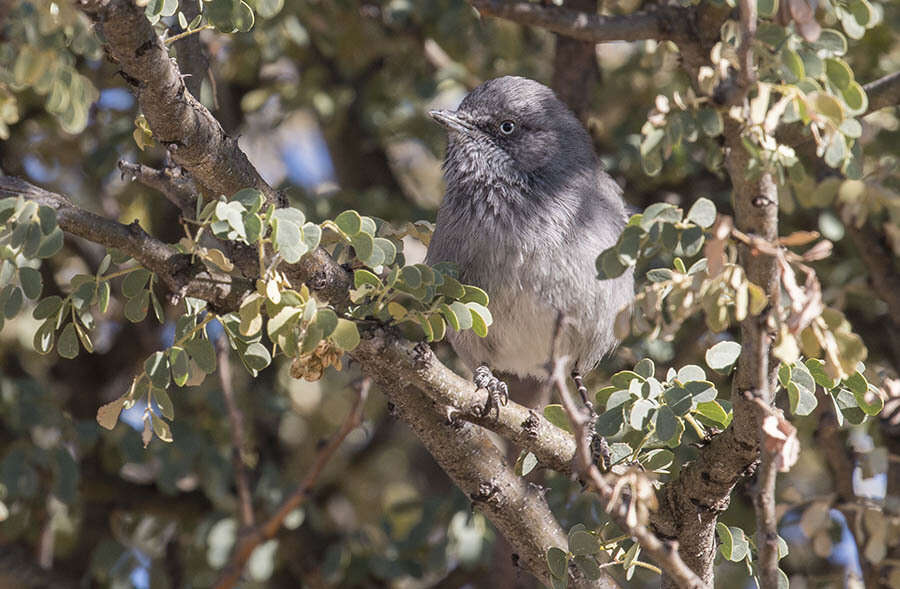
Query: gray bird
[526,213]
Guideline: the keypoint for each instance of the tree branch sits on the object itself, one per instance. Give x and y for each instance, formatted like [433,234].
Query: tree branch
[268,529]
[181,276]
[663,23]
[177,188]
[417,365]
[575,71]
[465,452]
[178,120]
[883,92]
[238,440]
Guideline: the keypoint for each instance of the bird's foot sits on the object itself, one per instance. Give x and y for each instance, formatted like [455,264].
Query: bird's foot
[498,393]
[600,453]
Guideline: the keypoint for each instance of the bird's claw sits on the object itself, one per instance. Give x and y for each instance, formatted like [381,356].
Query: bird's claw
[497,391]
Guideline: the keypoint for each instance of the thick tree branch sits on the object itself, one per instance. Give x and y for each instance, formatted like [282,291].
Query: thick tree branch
[178,120]
[180,275]
[416,364]
[664,23]
[516,507]
[390,360]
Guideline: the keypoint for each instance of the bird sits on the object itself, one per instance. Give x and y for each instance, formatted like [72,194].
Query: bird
[526,211]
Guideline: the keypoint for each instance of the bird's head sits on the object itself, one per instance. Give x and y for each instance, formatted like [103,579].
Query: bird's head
[514,133]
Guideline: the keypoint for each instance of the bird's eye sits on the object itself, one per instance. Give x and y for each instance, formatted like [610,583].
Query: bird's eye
[507,127]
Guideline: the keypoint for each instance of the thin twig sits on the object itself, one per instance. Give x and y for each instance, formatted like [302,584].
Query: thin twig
[236,421]
[268,529]
[665,554]
[184,34]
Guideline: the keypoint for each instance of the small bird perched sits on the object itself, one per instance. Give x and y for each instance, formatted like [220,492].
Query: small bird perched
[526,213]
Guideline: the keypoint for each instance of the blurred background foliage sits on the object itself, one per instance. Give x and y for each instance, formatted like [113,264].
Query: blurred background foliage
[329,102]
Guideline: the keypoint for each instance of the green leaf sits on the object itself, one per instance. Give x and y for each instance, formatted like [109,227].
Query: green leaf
[766,8]
[714,412]
[828,106]
[659,275]
[582,543]
[733,543]
[165,403]
[610,421]
[50,245]
[701,390]
[243,18]
[556,415]
[832,41]
[589,567]
[137,307]
[11,300]
[134,282]
[679,400]
[802,401]
[288,238]
[645,368]
[657,460]
[639,414]
[691,241]
[855,98]
[481,318]
[31,282]
[723,356]
[388,250]
[363,276]
[463,315]
[161,429]
[702,212]
[203,353]
[103,292]
[157,368]
[178,359]
[816,368]
[256,356]
[48,307]
[67,346]
[326,320]
[364,245]
[346,335]
[411,276]
[609,266]
[651,141]
[838,72]
[710,120]
[47,218]
[525,463]
[623,378]
[473,294]
[44,336]
[792,65]
[349,222]
[666,425]
[558,561]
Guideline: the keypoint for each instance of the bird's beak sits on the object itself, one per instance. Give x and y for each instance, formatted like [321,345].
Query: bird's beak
[452,120]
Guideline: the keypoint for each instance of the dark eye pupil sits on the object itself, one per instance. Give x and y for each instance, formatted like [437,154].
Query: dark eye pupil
[507,127]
